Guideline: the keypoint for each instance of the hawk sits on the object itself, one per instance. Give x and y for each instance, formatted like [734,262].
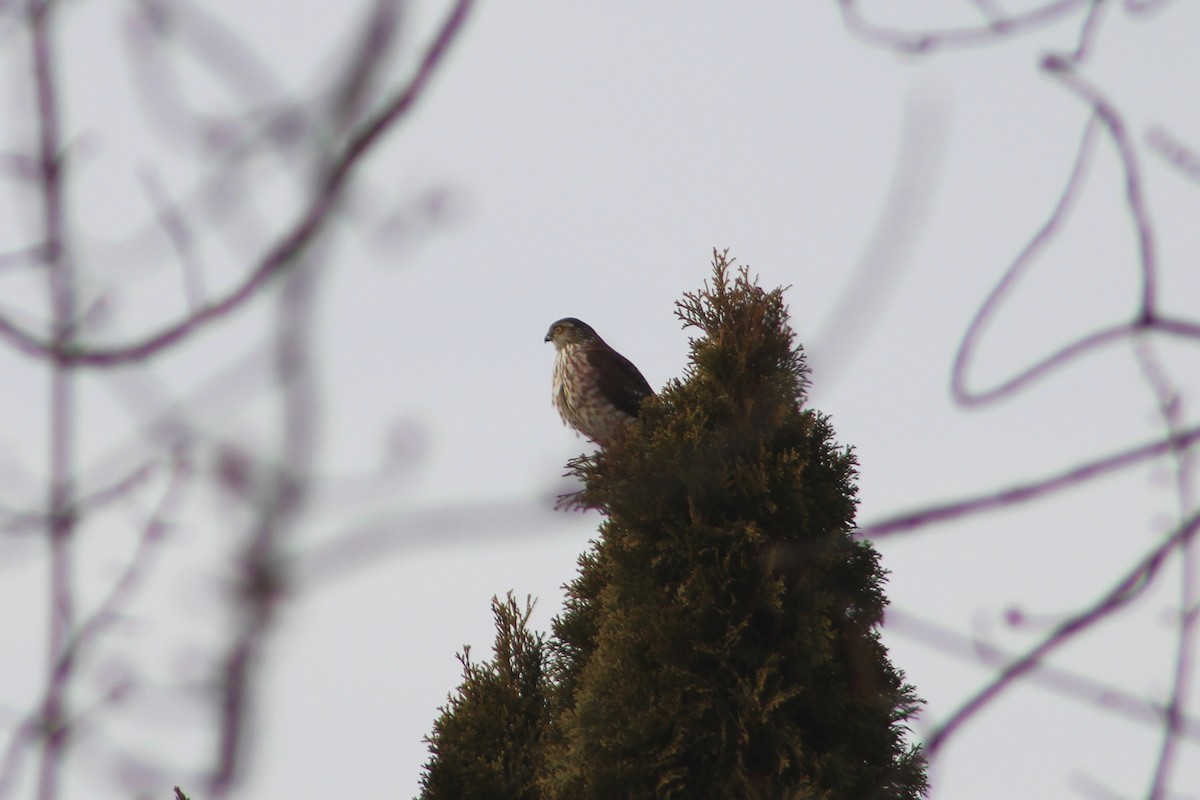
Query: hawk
[597,391]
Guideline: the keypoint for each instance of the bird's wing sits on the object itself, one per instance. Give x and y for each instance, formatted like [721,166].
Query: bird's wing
[618,379]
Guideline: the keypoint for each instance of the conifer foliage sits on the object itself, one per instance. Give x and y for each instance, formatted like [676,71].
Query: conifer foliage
[720,640]
[487,742]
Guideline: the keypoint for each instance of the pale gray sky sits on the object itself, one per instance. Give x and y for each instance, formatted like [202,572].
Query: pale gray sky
[589,159]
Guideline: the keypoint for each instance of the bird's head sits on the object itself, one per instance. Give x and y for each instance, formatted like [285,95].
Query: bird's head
[569,330]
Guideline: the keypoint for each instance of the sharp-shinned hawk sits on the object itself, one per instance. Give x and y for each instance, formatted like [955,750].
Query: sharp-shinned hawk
[597,391]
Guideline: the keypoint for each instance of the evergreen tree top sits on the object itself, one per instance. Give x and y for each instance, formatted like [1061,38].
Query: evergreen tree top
[746,340]
[721,637]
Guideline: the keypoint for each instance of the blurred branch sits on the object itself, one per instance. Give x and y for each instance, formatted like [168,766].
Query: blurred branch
[265,578]
[1184,159]
[1148,322]
[10,765]
[61,528]
[1087,33]
[457,523]
[136,568]
[889,249]
[227,57]
[1008,281]
[1147,318]
[1170,407]
[376,40]
[23,257]
[65,715]
[1129,586]
[50,720]
[1146,6]
[997,27]
[19,167]
[1114,122]
[1091,788]
[25,522]
[1032,490]
[1104,696]
[292,244]
[179,234]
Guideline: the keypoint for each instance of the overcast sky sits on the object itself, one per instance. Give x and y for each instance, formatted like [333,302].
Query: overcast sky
[573,161]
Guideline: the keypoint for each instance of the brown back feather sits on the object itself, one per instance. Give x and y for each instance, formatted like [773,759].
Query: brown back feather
[618,379]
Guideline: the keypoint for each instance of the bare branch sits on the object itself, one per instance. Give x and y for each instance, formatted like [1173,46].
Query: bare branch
[1016,270]
[1147,317]
[63,721]
[61,283]
[63,669]
[1107,697]
[1183,158]
[19,167]
[996,28]
[377,38]
[229,59]
[889,249]
[136,568]
[456,523]
[1147,323]
[280,257]
[1114,122]
[1170,406]
[266,579]
[1129,586]
[944,512]
[179,234]
[33,255]
[1087,787]
[1146,6]
[18,743]
[1087,33]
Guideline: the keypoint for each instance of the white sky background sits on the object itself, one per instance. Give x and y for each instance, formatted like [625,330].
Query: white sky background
[589,160]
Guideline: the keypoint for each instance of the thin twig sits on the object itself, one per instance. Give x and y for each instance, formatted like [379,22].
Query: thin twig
[20,522]
[371,51]
[1107,697]
[1032,490]
[87,634]
[1170,407]
[1129,586]
[280,257]
[231,61]
[1135,197]
[179,234]
[265,575]
[1017,270]
[995,29]
[1147,321]
[1087,33]
[1146,6]
[889,249]
[1184,159]
[10,764]
[29,256]
[1147,317]
[138,565]
[61,280]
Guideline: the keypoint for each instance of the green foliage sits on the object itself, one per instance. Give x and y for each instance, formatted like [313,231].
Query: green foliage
[721,638]
[486,743]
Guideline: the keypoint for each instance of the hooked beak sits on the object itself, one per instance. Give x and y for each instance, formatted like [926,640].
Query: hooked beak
[547,338]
